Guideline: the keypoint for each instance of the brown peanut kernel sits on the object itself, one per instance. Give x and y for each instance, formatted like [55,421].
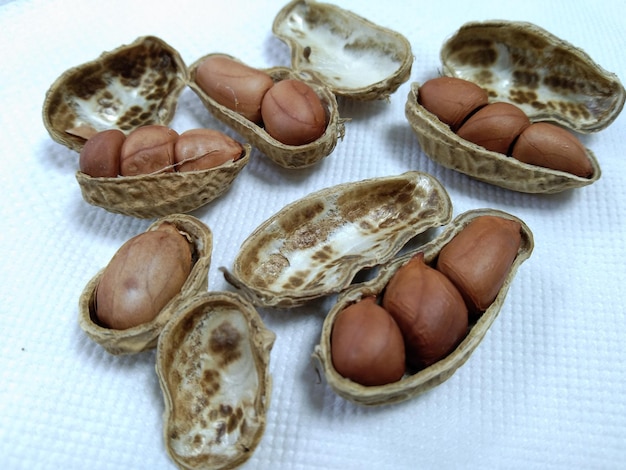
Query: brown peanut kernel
[550,146]
[495,127]
[429,310]
[100,156]
[148,149]
[201,149]
[367,345]
[452,99]
[293,113]
[142,277]
[234,85]
[478,259]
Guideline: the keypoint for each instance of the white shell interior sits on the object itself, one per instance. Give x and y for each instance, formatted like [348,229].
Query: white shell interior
[314,246]
[347,51]
[214,384]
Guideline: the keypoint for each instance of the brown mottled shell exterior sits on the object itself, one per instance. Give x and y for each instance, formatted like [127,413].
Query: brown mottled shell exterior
[314,246]
[160,194]
[213,368]
[287,156]
[315,30]
[104,93]
[144,337]
[548,78]
[412,385]
[448,149]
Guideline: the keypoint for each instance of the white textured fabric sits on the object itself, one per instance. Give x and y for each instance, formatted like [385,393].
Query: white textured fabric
[545,389]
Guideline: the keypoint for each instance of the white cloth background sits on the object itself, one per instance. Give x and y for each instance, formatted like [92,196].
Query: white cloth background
[546,389]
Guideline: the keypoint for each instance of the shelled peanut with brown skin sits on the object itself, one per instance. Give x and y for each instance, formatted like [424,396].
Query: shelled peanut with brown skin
[142,277]
[452,99]
[100,156]
[478,259]
[292,113]
[503,127]
[201,149]
[148,149]
[429,310]
[551,146]
[155,149]
[495,127]
[367,345]
[234,85]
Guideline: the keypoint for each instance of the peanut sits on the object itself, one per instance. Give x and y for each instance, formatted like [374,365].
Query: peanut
[429,310]
[452,99]
[201,149]
[234,85]
[550,146]
[495,127]
[293,113]
[100,156]
[478,259]
[148,149]
[366,344]
[142,277]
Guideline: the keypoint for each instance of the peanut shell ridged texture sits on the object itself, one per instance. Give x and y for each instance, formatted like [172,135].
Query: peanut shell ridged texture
[213,368]
[324,38]
[443,146]
[314,246]
[286,156]
[547,77]
[145,336]
[132,86]
[428,378]
[160,194]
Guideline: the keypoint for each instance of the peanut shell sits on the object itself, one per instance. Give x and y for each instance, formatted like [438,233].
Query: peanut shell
[145,336]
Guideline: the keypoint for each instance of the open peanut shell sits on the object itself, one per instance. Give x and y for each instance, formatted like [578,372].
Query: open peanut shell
[314,246]
[548,78]
[416,383]
[213,368]
[334,51]
[160,194]
[134,85]
[145,336]
[287,156]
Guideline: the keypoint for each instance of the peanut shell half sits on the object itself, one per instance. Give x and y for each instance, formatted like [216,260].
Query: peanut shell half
[443,146]
[314,246]
[351,55]
[134,85]
[521,63]
[145,336]
[161,194]
[287,156]
[213,368]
